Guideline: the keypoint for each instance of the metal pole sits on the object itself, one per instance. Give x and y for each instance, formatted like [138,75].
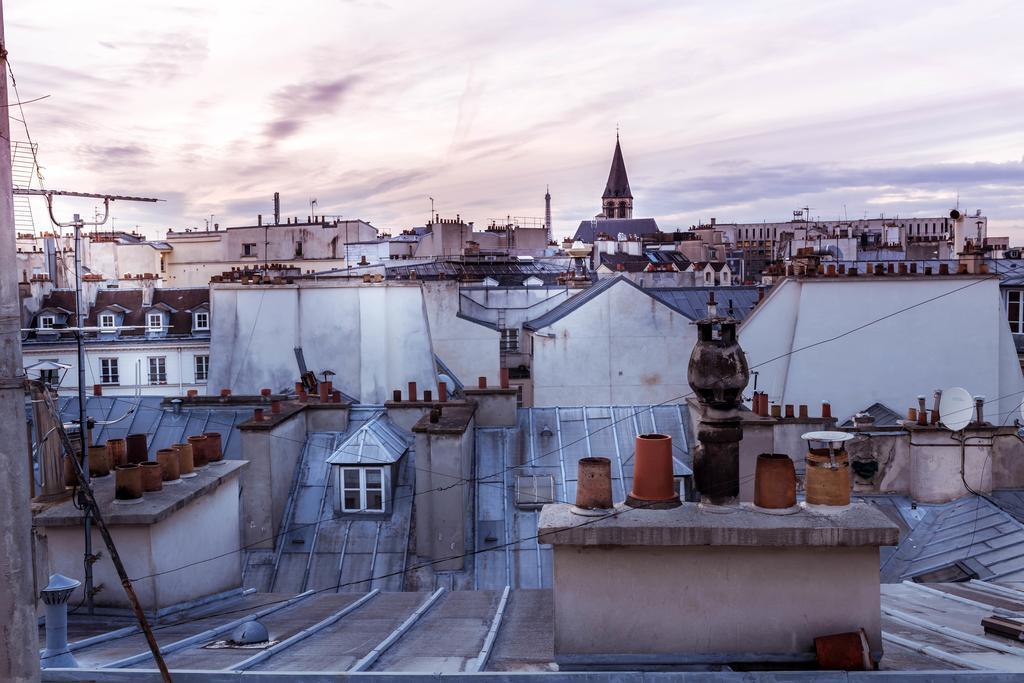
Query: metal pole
[89,501]
[19,632]
[83,420]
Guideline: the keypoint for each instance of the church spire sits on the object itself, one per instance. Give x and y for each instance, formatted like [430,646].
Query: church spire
[617,199]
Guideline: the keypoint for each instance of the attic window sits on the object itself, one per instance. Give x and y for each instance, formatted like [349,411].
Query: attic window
[533,491]
[46,322]
[155,322]
[107,321]
[201,321]
[957,572]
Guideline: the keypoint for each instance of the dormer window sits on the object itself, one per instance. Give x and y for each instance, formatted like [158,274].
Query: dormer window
[46,322]
[201,321]
[155,322]
[107,321]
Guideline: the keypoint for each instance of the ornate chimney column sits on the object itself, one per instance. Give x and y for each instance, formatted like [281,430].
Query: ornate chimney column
[718,373]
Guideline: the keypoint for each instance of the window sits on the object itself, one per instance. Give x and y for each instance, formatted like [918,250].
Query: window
[298,248]
[155,322]
[46,322]
[363,489]
[107,321]
[1013,311]
[158,370]
[202,368]
[49,377]
[108,371]
[201,321]
[249,249]
[509,341]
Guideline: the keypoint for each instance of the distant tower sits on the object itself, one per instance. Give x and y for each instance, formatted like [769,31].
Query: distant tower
[617,199]
[547,212]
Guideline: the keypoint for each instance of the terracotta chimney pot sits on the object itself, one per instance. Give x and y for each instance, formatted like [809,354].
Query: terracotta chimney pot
[594,484]
[653,485]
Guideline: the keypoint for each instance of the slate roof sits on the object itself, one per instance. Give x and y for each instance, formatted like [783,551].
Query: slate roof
[377,441]
[618,184]
[930,633]
[693,301]
[631,263]
[118,416]
[323,551]
[549,442]
[508,273]
[884,416]
[179,303]
[985,538]
[688,301]
[588,230]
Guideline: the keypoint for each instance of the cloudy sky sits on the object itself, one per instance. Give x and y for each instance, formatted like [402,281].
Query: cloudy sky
[742,111]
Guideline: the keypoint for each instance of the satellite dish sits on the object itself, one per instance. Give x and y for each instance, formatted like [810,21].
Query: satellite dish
[830,437]
[955,408]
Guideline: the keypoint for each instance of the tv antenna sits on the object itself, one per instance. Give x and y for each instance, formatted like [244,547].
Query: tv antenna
[83,423]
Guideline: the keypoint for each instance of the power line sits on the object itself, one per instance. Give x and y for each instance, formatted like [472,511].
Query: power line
[587,435]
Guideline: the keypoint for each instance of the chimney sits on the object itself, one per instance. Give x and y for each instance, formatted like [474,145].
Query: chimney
[653,485]
[412,391]
[277,208]
[55,597]
[593,485]
[442,392]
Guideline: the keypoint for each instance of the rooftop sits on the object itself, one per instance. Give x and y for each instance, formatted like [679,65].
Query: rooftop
[930,633]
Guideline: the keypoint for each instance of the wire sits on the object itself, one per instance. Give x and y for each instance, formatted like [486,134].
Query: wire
[24,119]
[470,480]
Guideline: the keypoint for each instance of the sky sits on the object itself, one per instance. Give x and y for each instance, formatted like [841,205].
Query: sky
[743,111]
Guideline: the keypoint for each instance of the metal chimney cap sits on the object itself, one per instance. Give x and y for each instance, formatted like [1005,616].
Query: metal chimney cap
[249,633]
[59,589]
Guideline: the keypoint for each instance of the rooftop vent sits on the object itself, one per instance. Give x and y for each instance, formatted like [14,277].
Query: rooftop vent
[533,491]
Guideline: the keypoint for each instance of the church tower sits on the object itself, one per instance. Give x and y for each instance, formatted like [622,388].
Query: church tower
[617,201]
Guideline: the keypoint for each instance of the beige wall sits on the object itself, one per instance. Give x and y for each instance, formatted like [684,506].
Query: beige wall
[206,528]
[711,599]
[272,455]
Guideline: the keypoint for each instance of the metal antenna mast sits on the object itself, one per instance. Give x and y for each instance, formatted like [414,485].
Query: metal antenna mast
[83,424]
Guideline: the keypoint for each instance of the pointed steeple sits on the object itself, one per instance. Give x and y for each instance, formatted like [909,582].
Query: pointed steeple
[618,183]
[617,200]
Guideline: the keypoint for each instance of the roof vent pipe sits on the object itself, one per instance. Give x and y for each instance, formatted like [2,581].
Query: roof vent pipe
[936,397]
[55,597]
[979,407]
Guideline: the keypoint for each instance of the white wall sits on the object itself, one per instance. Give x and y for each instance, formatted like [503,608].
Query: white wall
[179,358]
[623,347]
[471,350]
[376,337]
[960,339]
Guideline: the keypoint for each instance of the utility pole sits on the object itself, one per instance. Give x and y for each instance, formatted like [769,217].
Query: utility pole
[19,634]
